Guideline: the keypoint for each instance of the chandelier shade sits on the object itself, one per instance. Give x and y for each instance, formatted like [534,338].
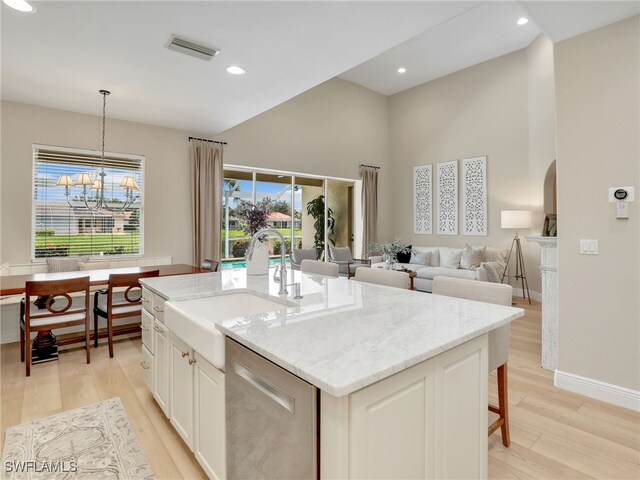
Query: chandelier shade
[65,181]
[84,179]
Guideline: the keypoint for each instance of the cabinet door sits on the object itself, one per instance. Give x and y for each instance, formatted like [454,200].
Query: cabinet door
[147,300]
[147,367]
[426,422]
[181,388]
[389,437]
[209,432]
[161,366]
[147,330]
[460,426]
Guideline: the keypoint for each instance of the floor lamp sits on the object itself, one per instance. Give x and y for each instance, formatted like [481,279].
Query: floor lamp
[516,219]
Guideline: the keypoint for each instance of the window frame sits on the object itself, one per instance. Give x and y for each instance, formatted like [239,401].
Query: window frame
[89,152]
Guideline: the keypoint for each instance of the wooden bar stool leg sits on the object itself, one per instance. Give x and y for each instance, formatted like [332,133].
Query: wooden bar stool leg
[503,404]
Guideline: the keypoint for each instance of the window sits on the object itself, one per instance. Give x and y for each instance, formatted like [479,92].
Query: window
[63,225]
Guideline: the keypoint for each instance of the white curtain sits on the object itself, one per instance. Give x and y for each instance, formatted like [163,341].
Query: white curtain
[369,207]
[206,199]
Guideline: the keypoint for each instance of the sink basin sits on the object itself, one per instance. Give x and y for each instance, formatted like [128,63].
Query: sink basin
[193,321]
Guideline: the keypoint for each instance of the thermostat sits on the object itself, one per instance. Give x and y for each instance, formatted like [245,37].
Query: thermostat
[621,194]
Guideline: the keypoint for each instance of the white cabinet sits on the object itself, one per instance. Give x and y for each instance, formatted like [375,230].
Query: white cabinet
[147,330]
[147,367]
[181,360]
[390,429]
[161,366]
[209,433]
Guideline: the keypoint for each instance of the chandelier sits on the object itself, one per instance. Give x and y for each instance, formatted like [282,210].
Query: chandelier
[97,202]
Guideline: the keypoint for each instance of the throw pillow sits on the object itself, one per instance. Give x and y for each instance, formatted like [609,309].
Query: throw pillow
[492,254]
[405,257]
[420,258]
[434,261]
[450,257]
[472,257]
[64,264]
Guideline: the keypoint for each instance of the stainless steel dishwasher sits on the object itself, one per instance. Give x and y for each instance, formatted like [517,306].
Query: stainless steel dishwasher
[272,425]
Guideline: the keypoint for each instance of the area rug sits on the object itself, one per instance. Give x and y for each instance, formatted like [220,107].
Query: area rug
[89,442]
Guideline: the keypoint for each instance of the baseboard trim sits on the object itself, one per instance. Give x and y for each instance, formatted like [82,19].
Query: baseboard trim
[621,396]
[534,295]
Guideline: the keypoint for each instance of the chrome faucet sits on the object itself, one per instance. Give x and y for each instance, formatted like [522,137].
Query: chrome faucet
[283,253]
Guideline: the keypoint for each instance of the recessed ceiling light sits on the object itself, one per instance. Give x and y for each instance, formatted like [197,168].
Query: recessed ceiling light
[236,70]
[402,70]
[522,21]
[19,5]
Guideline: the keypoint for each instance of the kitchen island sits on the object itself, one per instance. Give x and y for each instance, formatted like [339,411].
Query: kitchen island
[401,376]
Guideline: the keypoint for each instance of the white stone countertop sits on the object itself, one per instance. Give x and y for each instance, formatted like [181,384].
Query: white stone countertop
[342,335]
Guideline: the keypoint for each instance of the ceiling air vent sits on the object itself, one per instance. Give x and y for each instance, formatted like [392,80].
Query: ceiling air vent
[185,46]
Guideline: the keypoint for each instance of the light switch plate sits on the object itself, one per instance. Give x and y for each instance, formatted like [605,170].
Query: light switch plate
[588,247]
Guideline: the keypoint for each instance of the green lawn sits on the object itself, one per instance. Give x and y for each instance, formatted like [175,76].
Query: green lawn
[91,244]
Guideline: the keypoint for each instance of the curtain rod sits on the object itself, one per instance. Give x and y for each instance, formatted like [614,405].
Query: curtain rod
[207,140]
[369,166]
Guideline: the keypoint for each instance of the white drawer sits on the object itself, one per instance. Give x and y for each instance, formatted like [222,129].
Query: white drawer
[147,367]
[147,330]
[158,307]
[147,300]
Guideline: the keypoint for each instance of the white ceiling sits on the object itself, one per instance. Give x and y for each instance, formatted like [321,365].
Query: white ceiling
[486,31]
[60,56]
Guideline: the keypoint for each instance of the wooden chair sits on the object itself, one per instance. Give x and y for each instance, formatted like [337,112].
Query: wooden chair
[43,315]
[320,268]
[389,278]
[106,306]
[211,265]
[498,339]
[346,263]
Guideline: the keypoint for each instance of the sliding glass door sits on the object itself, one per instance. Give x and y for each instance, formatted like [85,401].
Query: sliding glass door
[296,206]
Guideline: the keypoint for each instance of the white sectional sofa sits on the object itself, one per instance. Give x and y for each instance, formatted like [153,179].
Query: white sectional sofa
[431,262]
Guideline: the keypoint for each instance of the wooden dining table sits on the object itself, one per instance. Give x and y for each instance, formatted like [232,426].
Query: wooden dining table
[45,344]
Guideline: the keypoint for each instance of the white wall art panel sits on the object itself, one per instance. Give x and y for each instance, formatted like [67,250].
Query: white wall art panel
[448,198]
[422,199]
[474,196]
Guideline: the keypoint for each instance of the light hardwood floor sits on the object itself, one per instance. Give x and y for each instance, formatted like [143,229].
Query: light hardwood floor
[554,433]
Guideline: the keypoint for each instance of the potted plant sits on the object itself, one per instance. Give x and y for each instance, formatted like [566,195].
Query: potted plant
[315,209]
[391,250]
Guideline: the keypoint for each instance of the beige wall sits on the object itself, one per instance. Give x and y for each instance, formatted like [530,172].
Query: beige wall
[328,130]
[598,115]
[482,110]
[542,124]
[167,217]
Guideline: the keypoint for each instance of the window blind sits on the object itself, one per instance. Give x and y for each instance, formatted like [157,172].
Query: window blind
[61,230]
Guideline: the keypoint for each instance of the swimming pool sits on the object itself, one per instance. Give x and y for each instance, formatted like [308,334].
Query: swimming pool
[230,265]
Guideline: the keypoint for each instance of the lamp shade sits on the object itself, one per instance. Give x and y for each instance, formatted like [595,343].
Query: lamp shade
[129,182]
[97,185]
[84,179]
[515,219]
[64,181]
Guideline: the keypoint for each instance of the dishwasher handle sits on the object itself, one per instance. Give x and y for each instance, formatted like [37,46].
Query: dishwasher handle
[266,387]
